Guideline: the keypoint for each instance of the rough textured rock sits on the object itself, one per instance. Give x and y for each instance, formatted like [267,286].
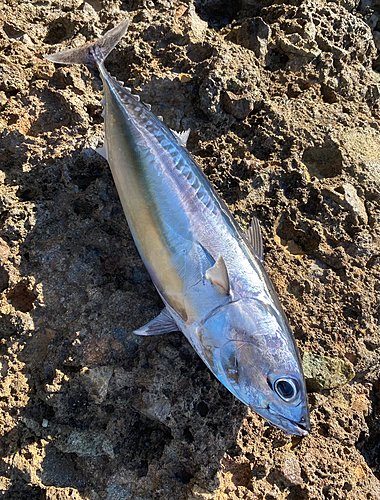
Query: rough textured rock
[283,103]
[322,372]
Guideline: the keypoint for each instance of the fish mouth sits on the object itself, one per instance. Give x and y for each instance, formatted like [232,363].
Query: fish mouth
[303,428]
[297,428]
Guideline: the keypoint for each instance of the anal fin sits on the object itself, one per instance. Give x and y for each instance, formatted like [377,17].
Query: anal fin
[163,323]
[102,152]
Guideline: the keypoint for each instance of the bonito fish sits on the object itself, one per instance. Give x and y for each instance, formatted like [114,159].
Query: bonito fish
[208,272]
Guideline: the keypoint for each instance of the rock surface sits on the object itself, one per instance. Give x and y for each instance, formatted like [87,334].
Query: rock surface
[283,103]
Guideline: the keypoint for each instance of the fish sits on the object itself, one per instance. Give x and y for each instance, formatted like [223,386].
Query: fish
[209,272]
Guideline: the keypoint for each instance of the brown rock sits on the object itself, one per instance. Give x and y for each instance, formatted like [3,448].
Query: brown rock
[4,251]
[305,162]
[238,106]
[254,34]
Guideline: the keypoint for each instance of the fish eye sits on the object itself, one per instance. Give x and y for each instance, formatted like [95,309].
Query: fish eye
[286,389]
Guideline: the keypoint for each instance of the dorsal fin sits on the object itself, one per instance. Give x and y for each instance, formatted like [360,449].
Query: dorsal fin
[218,275]
[253,235]
[182,136]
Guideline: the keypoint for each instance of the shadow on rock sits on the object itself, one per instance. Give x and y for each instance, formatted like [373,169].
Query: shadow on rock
[93,407]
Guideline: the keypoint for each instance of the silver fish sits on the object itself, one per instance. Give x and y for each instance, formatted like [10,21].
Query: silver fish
[208,272]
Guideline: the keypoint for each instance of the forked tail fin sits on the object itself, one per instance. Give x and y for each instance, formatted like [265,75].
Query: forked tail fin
[95,52]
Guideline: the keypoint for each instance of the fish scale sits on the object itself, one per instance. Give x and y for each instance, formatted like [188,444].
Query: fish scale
[208,272]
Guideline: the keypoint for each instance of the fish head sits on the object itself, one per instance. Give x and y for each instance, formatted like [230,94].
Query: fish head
[255,356]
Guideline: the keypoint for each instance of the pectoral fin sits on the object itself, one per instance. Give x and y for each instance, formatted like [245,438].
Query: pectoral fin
[163,323]
[218,275]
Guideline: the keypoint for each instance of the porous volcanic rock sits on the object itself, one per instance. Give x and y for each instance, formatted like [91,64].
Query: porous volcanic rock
[282,100]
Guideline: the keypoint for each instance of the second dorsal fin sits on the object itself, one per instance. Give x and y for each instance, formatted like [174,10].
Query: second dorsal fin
[182,136]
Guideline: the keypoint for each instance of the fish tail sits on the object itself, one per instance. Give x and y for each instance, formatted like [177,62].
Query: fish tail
[95,52]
